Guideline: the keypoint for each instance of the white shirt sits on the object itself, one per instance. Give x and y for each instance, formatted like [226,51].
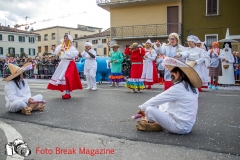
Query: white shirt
[89,61]
[181,104]
[13,93]
[71,53]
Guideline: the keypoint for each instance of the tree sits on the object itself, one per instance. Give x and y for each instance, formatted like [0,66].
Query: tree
[23,54]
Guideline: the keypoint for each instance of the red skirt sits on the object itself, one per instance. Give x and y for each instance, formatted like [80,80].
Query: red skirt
[73,81]
[136,71]
[155,75]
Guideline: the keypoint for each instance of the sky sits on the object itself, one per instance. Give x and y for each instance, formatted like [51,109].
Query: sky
[67,13]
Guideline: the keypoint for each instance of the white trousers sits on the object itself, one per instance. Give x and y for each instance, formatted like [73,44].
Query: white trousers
[18,105]
[163,119]
[91,81]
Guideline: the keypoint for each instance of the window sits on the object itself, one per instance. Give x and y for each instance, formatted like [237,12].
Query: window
[31,52]
[210,38]
[21,38]
[31,39]
[104,41]
[76,35]
[21,50]
[235,47]
[0,37]
[94,41]
[76,44]
[212,7]
[1,50]
[104,51]
[39,38]
[53,36]
[11,50]
[45,37]
[10,37]
[46,49]
[39,49]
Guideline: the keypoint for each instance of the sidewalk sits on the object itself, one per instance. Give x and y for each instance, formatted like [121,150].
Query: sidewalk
[41,139]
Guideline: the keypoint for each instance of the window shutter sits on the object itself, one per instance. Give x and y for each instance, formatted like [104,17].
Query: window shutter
[9,37]
[33,39]
[23,39]
[0,37]
[8,50]
[29,51]
[34,52]
[12,38]
[29,39]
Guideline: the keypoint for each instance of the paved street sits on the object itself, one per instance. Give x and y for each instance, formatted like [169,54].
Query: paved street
[101,118]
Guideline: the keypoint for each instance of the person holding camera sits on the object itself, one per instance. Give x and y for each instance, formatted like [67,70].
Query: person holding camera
[66,75]
[17,92]
[136,54]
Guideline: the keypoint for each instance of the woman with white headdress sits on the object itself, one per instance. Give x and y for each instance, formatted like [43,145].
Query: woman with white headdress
[196,57]
[172,49]
[149,74]
[66,76]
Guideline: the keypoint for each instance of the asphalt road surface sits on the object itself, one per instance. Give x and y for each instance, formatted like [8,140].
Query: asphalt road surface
[108,112]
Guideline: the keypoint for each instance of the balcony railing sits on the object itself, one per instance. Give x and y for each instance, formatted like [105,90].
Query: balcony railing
[141,31]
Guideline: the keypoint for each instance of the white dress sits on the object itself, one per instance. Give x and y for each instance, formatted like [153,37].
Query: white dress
[227,74]
[147,73]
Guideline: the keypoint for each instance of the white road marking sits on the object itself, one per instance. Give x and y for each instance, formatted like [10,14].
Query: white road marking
[11,134]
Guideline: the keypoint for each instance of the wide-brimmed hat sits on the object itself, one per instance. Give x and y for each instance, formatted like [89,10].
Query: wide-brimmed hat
[16,71]
[69,37]
[170,63]
[134,45]
[115,45]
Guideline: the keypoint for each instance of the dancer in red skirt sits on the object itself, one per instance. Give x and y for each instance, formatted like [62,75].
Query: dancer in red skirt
[136,55]
[66,75]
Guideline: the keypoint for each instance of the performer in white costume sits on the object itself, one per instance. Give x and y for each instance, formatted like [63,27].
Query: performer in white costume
[196,56]
[227,77]
[176,108]
[66,76]
[172,49]
[205,65]
[17,92]
[90,66]
[149,73]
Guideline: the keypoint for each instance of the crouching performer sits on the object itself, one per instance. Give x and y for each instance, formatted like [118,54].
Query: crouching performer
[17,92]
[174,109]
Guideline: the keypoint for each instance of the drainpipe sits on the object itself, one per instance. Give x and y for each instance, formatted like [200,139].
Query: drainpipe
[182,37]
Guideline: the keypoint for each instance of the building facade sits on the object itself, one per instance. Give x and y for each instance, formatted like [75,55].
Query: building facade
[52,35]
[137,21]
[14,41]
[209,20]
[100,42]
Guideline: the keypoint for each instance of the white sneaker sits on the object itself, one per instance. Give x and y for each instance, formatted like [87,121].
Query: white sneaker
[88,88]
[94,88]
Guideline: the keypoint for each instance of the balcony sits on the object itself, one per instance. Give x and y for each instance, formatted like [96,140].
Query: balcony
[145,31]
[107,4]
